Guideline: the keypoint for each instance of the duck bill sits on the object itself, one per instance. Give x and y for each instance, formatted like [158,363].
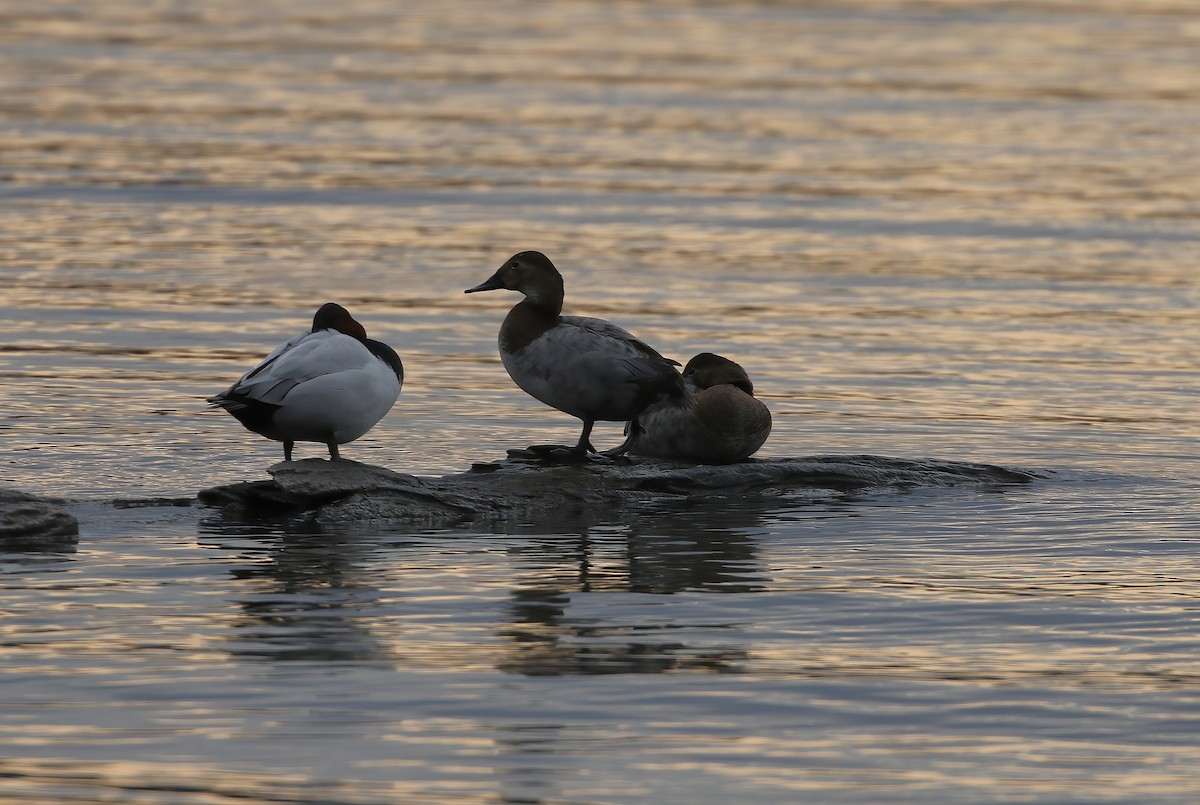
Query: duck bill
[493,283]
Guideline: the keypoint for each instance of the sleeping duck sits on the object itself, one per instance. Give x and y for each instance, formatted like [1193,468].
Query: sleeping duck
[588,368]
[725,422]
[329,385]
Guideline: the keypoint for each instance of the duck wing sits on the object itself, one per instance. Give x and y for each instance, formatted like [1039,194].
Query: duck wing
[654,375]
[607,329]
[303,358]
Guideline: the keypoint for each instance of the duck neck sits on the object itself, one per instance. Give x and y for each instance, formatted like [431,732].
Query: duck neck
[538,312]
[526,322]
[546,295]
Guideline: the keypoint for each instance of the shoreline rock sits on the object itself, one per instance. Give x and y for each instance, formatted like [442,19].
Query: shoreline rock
[528,486]
[28,522]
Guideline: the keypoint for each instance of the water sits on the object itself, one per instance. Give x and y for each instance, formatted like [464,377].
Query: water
[951,229]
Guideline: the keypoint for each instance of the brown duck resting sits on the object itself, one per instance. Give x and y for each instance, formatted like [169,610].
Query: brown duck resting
[724,423]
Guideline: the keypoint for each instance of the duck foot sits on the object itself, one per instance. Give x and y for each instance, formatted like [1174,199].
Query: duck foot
[548,454]
[556,449]
[557,453]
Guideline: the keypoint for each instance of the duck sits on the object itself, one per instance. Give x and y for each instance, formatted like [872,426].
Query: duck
[331,384]
[725,422]
[586,367]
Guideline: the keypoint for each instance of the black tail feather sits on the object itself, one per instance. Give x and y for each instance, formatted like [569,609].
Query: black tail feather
[255,415]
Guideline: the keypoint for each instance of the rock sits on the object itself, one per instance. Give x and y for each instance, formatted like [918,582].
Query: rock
[28,522]
[528,486]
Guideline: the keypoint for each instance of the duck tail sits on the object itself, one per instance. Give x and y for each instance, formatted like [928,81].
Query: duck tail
[223,400]
[254,414]
[668,388]
[658,381]
[679,394]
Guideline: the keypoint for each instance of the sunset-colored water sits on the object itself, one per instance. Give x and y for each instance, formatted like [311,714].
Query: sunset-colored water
[949,229]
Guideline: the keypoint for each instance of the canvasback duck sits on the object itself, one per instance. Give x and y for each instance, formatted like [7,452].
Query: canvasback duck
[330,385]
[725,422]
[588,368]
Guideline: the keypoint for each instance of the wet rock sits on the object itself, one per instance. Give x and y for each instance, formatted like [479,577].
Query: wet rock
[28,522]
[529,486]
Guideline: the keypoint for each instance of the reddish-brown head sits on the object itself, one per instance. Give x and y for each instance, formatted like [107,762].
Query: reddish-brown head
[332,316]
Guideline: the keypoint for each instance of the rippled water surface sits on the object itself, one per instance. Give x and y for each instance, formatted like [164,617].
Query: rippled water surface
[927,229]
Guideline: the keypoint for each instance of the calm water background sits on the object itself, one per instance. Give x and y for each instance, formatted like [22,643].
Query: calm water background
[928,229]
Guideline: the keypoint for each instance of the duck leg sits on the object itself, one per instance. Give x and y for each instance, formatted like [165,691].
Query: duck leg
[632,432]
[287,450]
[333,451]
[585,439]
[582,448]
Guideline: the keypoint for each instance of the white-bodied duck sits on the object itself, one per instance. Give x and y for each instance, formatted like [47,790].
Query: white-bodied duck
[725,422]
[329,385]
[588,368]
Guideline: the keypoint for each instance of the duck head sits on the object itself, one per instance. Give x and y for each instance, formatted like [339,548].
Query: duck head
[332,316]
[530,273]
[707,370]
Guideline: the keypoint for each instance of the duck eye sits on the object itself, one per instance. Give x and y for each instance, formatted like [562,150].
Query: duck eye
[516,266]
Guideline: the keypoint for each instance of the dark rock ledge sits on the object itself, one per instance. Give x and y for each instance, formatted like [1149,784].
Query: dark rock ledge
[528,488]
[28,522]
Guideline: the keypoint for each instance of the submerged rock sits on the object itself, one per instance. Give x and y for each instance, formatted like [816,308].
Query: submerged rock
[28,522]
[528,486]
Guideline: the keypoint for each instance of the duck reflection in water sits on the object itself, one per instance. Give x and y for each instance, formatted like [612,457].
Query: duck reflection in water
[661,555]
[304,593]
